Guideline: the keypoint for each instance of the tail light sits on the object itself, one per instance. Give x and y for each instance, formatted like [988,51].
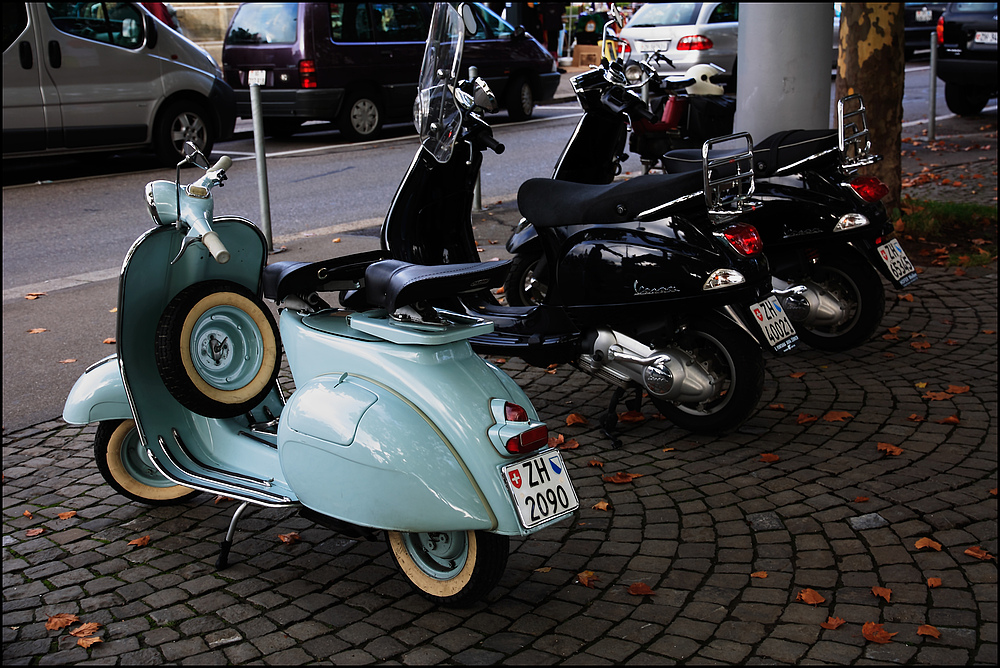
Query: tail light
[514,431]
[528,441]
[869,188]
[744,238]
[940,31]
[307,74]
[694,43]
[625,50]
[514,413]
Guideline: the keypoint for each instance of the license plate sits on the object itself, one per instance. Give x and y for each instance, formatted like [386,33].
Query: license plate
[986,38]
[924,15]
[256,77]
[775,324]
[899,264]
[653,46]
[541,488]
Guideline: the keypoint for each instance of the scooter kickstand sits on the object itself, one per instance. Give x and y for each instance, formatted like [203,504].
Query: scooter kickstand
[610,419]
[223,560]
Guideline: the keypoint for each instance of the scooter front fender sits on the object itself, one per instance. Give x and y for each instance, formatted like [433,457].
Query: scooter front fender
[98,395]
[525,240]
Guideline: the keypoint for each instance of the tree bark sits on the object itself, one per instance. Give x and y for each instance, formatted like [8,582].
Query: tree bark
[871,62]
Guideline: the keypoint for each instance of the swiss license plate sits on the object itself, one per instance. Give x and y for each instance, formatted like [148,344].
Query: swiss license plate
[541,488]
[986,38]
[257,77]
[924,15]
[775,324]
[899,264]
[647,47]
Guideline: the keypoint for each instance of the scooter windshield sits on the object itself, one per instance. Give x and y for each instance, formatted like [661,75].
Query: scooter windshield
[435,113]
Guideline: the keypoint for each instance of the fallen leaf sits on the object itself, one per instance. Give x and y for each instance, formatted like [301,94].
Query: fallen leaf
[890,449]
[141,542]
[927,542]
[621,477]
[952,342]
[631,416]
[594,462]
[876,633]
[289,538]
[587,578]
[571,444]
[993,492]
[218,499]
[575,418]
[890,337]
[916,418]
[556,439]
[87,642]
[805,418]
[979,553]
[759,574]
[769,458]
[640,589]
[958,389]
[31,533]
[668,449]
[37,330]
[951,419]
[68,514]
[35,295]
[920,345]
[920,386]
[797,374]
[113,310]
[895,330]
[27,513]
[861,499]
[109,340]
[907,297]
[884,592]
[833,623]
[543,569]
[928,630]
[809,596]
[70,361]
[337,240]
[776,407]
[600,505]
[933,583]
[60,621]
[84,630]
[837,416]
[936,396]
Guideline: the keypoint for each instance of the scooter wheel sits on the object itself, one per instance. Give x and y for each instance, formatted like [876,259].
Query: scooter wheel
[217,349]
[853,280]
[527,281]
[450,567]
[736,360]
[122,461]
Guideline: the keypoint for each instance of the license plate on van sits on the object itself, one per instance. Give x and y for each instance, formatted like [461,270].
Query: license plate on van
[541,488]
[986,37]
[775,324]
[256,77]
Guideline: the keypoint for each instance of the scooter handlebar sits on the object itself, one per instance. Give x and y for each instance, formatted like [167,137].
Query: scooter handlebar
[215,246]
[224,163]
[493,144]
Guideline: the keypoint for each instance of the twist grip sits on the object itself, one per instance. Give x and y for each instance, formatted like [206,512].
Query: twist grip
[215,247]
[224,163]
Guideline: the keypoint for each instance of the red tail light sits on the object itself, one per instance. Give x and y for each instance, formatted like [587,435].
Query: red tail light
[694,43]
[940,31]
[744,238]
[307,74]
[529,441]
[514,413]
[869,188]
[625,49]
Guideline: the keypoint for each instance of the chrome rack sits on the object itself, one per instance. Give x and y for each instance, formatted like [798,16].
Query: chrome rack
[728,176]
[853,139]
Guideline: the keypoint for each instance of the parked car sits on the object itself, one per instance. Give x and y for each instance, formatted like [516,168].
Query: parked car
[82,77]
[357,64]
[967,55]
[920,20]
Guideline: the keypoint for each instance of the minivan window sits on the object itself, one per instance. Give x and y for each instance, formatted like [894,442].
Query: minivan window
[349,22]
[117,23]
[726,12]
[492,26]
[400,22]
[264,23]
[15,20]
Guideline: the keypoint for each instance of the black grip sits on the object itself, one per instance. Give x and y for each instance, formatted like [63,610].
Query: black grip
[493,144]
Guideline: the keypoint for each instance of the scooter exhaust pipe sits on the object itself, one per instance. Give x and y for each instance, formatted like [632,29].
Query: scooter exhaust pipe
[809,304]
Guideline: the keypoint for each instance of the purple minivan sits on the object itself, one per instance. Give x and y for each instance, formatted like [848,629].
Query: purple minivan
[357,64]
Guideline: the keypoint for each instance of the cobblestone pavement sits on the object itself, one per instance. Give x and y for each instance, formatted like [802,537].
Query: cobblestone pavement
[834,514]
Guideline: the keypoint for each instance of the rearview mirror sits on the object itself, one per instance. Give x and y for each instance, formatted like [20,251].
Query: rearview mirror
[469,18]
[616,15]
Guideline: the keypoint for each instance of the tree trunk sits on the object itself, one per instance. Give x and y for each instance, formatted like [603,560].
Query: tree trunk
[871,62]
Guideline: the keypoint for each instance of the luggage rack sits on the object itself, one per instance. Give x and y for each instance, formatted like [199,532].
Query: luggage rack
[852,133]
[728,178]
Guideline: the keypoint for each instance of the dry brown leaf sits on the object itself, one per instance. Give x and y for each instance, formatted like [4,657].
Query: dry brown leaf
[140,542]
[668,449]
[571,444]
[640,589]
[60,621]
[631,416]
[920,345]
[979,553]
[69,361]
[587,578]
[37,330]
[895,330]
[810,596]
[31,533]
[87,642]
[769,457]
[621,477]
[920,386]
[600,505]
[337,240]
[776,407]
[905,298]
[833,623]
[27,513]
[889,448]
[84,630]
[916,418]
[575,418]
[936,396]
[68,514]
[797,374]
[958,389]
[35,295]
[884,592]
[890,337]
[875,633]
[759,574]
[543,569]
[594,462]
[289,538]
[556,439]
[861,499]
[928,630]
[951,419]
[993,492]
[109,340]
[933,583]
[220,498]
[927,542]
[837,416]
[806,418]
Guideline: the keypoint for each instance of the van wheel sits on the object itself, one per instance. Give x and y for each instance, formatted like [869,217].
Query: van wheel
[520,100]
[179,122]
[361,117]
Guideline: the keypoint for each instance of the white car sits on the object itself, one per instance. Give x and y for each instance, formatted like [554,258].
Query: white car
[688,33]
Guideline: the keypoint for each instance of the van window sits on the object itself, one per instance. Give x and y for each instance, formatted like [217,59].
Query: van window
[400,22]
[117,23]
[264,23]
[490,25]
[15,20]
[349,22]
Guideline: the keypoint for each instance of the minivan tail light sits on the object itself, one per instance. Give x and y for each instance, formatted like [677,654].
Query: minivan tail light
[940,31]
[694,43]
[744,238]
[307,74]
[869,188]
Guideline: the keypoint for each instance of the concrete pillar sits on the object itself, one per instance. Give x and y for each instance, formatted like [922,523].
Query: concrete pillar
[784,61]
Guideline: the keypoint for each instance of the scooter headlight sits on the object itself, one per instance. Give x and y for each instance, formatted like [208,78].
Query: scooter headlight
[850,222]
[633,73]
[722,278]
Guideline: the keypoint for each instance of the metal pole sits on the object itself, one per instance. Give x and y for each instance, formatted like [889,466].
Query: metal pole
[258,144]
[477,192]
[932,112]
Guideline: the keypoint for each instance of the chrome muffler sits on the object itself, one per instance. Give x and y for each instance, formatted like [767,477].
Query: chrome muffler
[809,304]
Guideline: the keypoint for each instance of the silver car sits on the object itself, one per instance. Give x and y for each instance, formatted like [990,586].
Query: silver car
[689,33]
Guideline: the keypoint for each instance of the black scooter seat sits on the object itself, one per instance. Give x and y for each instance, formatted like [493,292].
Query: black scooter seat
[554,203]
[390,284]
[777,152]
[302,278]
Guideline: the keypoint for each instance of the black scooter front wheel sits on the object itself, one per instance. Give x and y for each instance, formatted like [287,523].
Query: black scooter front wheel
[527,281]
[736,361]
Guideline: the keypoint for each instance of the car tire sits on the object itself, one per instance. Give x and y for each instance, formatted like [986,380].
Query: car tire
[281,128]
[520,99]
[965,100]
[179,122]
[361,116]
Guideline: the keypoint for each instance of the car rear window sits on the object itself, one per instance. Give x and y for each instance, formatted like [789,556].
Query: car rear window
[974,7]
[665,14]
[264,23]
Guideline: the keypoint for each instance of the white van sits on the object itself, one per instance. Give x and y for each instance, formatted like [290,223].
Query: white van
[88,76]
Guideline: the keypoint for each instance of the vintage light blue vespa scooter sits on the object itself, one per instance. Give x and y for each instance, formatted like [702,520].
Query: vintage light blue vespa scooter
[395,423]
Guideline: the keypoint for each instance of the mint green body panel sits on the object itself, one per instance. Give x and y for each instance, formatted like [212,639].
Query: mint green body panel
[98,395]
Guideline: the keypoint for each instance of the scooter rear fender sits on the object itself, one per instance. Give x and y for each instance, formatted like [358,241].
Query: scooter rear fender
[98,395]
